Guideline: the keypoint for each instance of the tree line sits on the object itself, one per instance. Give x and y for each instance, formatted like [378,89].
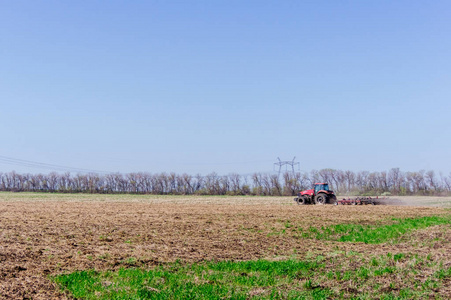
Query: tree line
[394,182]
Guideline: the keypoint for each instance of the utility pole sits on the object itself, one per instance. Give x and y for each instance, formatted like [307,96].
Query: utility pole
[287,163]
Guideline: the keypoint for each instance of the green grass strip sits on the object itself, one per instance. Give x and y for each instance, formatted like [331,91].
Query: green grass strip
[375,234]
[210,280]
[389,276]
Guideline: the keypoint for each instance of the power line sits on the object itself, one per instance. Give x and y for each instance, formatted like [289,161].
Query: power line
[226,163]
[40,165]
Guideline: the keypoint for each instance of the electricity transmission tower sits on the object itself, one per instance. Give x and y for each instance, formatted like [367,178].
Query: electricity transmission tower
[287,163]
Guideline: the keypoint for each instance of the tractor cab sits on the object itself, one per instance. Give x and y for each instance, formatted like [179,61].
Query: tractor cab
[321,187]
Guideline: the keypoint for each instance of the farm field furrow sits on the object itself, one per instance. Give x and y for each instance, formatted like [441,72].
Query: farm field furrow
[46,235]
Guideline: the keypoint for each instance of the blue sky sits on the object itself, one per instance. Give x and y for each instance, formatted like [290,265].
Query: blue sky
[225,86]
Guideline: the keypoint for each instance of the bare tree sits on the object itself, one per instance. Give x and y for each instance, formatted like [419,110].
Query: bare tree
[235,183]
[258,183]
[446,182]
[431,180]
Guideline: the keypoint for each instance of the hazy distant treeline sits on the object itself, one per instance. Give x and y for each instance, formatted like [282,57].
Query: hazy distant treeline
[394,181]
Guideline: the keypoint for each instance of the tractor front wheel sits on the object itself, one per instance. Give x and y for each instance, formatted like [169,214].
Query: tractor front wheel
[301,200]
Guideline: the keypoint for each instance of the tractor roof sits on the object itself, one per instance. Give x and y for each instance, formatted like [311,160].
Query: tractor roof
[321,183]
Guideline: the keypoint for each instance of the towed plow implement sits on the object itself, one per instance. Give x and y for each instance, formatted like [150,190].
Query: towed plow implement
[357,201]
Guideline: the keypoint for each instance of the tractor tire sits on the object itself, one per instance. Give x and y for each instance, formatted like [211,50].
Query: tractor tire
[296,200]
[302,200]
[333,199]
[320,199]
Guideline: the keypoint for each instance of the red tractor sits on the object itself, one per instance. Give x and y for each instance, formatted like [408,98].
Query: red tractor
[320,194]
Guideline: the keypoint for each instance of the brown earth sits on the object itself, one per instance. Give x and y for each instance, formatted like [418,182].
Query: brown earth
[43,238]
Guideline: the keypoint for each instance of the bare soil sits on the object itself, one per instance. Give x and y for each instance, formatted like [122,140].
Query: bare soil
[49,235]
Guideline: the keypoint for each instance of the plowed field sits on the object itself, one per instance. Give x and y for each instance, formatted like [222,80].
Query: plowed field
[44,235]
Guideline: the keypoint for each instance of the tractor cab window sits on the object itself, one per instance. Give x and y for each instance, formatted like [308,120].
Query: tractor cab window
[320,187]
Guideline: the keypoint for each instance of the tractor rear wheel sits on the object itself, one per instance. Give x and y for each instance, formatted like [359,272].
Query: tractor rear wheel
[333,199]
[320,199]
